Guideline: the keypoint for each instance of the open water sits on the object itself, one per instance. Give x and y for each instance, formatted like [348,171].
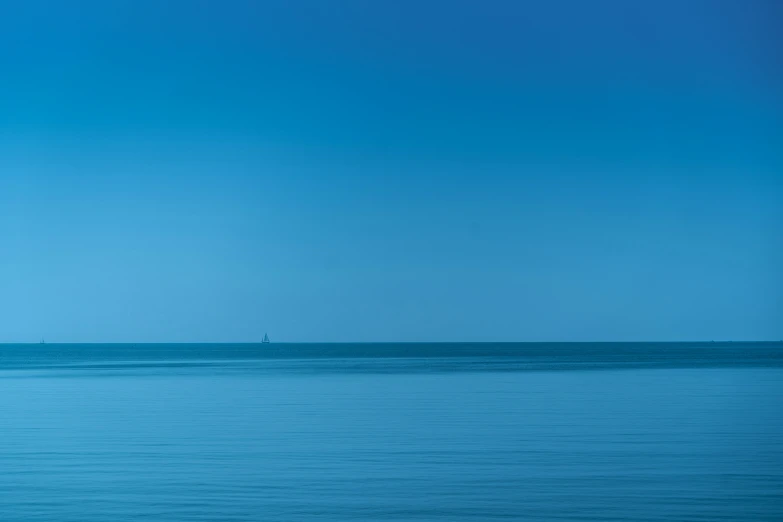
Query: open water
[415,432]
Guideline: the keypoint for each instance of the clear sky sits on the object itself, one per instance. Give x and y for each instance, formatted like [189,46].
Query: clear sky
[391,170]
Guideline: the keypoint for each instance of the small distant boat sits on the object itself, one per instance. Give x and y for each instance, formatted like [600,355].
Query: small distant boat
[266,339]
[42,341]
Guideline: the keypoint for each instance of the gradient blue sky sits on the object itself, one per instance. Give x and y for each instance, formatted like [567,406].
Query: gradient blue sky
[391,170]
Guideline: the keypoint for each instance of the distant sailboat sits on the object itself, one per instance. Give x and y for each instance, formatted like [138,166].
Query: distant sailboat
[42,341]
[266,339]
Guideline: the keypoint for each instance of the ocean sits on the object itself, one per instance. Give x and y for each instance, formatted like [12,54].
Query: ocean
[391,432]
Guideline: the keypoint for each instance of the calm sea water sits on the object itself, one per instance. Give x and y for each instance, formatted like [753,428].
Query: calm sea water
[655,432]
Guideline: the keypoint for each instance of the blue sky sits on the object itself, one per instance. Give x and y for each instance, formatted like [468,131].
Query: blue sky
[330,171]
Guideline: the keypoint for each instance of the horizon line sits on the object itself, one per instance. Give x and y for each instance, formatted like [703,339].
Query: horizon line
[711,341]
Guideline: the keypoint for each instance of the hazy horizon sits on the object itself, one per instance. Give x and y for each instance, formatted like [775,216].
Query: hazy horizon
[710,341]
